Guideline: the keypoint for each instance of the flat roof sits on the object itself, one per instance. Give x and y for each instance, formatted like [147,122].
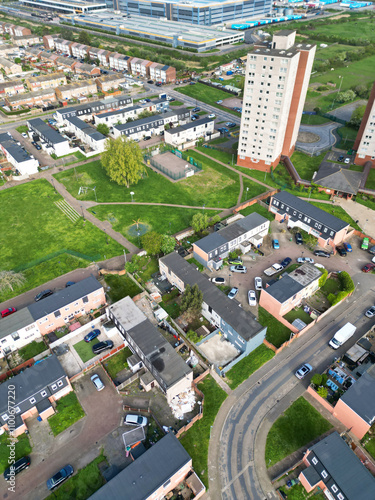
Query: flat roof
[283,289]
[86,128]
[148,472]
[16,151]
[138,123]
[119,111]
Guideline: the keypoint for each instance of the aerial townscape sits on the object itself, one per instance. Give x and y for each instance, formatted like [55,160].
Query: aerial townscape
[187,265]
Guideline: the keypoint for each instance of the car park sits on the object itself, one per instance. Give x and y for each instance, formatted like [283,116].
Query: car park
[8,312]
[92,335]
[102,346]
[223,130]
[252,298]
[232,293]
[258,283]
[370,313]
[212,116]
[230,124]
[303,371]
[286,262]
[322,253]
[17,467]
[132,419]
[95,379]
[348,247]
[219,280]
[43,294]
[368,268]
[60,477]
[238,269]
[275,244]
[341,158]
[299,239]
[303,260]
[341,251]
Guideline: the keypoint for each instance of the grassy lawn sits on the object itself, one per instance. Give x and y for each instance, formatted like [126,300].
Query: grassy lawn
[22,129]
[305,164]
[259,209]
[332,285]
[120,287]
[149,266]
[83,484]
[176,103]
[277,333]
[222,156]
[207,94]
[196,439]
[348,136]
[248,365]
[31,350]
[22,449]
[117,362]
[219,140]
[68,411]
[298,314]
[370,183]
[300,424]
[172,308]
[369,444]
[44,232]
[163,220]
[337,212]
[298,492]
[84,349]
[251,189]
[314,120]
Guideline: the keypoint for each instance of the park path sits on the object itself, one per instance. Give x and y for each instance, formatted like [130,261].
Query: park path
[241,190]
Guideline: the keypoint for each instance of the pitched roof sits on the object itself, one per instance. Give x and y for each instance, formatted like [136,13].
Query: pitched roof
[338,177]
[148,472]
[283,289]
[15,322]
[360,397]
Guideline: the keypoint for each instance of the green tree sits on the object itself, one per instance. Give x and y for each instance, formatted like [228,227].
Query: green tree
[103,128]
[10,279]
[123,161]
[151,242]
[17,60]
[191,301]
[84,38]
[215,219]
[357,115]
[316,379]
[346,282]
[323,392]
[66,34]
[134,264]
[199,222]
[323,278]
[145,114]
[168,243]
[347,96]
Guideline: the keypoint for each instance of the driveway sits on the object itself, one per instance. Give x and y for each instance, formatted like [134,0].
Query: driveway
[78,445]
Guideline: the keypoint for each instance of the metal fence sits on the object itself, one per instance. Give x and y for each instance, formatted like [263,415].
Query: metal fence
[35,262]
[194,165]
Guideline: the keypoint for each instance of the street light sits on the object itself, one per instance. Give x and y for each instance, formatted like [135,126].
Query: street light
[132,194]
[200,407]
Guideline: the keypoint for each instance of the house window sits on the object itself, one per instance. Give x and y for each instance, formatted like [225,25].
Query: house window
[324,474]
[314,461]
[15,336]
[60,383]
[57,314]
[166,484]
[32,400]
[17,409]
[43,394]
[85,300]
[54,387]
[334,488]
[5,417]
[340,496]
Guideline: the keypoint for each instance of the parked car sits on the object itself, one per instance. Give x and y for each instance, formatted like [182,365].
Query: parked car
[151,82]
[322,253]
[252,298]
[372,250]
[286,262]
[233,293]
[60,477]
[37,147]
[148,100]
[223,130]
[365,244]
[258,283]
[237,260]
[195,110]
[341,158]
[303,371]
[147,137]
[212,116]
[219,280]
[348,247]
[99,386]
[299,239]
[8,312]
[69,283]
[132,419]
[347,161]
[370,313]
[158,84]
[368,267]
[341,251]
[238,269]
[24,135]
[102,346]
[219,101]
[17,467]
[194,117]
[303,260]
[42,295]
[275,244]
[92,335]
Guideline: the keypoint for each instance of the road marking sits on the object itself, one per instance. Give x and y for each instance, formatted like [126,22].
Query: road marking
[238,475]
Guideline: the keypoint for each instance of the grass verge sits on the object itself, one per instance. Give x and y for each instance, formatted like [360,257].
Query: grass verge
[68,411]
[120,287]
[117,362]
[248,365]
[22,449]
[338,212]
[277,333]
[84,349]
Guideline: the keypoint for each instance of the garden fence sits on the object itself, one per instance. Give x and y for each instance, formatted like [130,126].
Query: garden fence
[35,262]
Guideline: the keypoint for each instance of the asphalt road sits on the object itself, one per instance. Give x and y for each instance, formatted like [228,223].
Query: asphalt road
[236,459]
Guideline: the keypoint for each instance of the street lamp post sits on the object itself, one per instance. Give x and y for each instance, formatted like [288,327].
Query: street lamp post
[132,194]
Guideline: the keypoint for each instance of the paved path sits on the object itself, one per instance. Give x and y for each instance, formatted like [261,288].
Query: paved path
[327,137]
[358,212]
[345,112]
[241,190]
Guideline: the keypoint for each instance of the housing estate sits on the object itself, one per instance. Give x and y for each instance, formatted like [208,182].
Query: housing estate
[86,133]
[152,125]
[212,249]
[7,48]
[89,109]
[154,474]
[187,135]
[17,155]
[9,67]
[336,470]
[52,138]
[82,88]
[118,115]
[63,46]
[79,50]
[35,389]
[329,229]
[162,73]
[337,179]
[41,97]
[85,69]
[289,290]
[109,82]
[12,87]
[25,40]
[235,324]
[169,371]
[14,30]
[48,81]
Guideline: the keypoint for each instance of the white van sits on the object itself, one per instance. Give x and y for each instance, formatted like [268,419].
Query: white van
[342,336]
[135,420]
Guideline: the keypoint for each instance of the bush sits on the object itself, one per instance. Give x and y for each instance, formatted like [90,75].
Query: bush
[316,379]
[346,282]
[331,298]
[170,296]
[323,392]
[323,278]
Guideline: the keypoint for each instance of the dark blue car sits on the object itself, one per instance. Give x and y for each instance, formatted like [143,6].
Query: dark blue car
[92,335]
[286,262]
[60,477]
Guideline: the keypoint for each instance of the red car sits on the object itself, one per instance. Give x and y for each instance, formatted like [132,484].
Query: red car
[368,268]
[8,311]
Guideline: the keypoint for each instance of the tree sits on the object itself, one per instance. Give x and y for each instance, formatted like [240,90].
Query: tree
[215,219]
[66,34]
[357,115]
[199,222]
[168,243]
[10,279]
[84,38]
[134,265]
[191,302]
[323,278]
[18,60]
[103,128]
[316,379]
[145,114]
[123,161]
[347,96]
[151,242]
[323,392]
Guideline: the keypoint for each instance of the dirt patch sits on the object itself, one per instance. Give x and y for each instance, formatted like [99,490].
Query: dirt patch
[232,102]
[308,137]
[340,16]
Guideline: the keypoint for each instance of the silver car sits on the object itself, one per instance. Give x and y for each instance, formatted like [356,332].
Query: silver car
[370,313]
[258,283]
[99,386]
[233,293]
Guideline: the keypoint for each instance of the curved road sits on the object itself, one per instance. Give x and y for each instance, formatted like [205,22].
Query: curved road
[237,469]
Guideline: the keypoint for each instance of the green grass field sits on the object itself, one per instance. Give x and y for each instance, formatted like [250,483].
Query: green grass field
[197,438]
[117,362]
[68,411]
[277,333]
[305,164]
[361,29]
[120,287]
[337,212]
[248,365]
[36,230]
[259,209]
[300,424]
[207,94]
[314,120]
[22,449]
[30,350]
[348,136]
[84,349]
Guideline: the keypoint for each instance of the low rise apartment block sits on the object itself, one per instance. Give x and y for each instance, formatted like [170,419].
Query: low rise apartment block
[12,87]
[75,90]
[51,80]
[25,40]
[55,141]
[17,155]
[49,42]
[152,125]
[93,108]
[86,133]
[119,62]
[14,30]
[63,46]
[162,73]
[187,135]
[106,83]
[42,97]
[79,50]
[100,55]
[7,48]
[119,115]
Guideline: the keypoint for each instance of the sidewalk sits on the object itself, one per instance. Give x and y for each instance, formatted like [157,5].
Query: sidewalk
[358,212]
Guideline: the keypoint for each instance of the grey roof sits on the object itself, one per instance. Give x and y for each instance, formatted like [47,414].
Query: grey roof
[63,297]
[243,322]
[344,469]
[31,383]
[338,177]
[316,213]
[311,475]
[119,111]
[283,289]
[210,242]
[360,397]
[16,151]
[188,126]
[176,112]
[15,322]
[86,128]
[148,472]
[138,123]
[49,133]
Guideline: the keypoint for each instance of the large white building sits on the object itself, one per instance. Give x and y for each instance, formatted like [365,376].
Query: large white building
[25,163]
[365,141]
[276,82]
[187,135]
